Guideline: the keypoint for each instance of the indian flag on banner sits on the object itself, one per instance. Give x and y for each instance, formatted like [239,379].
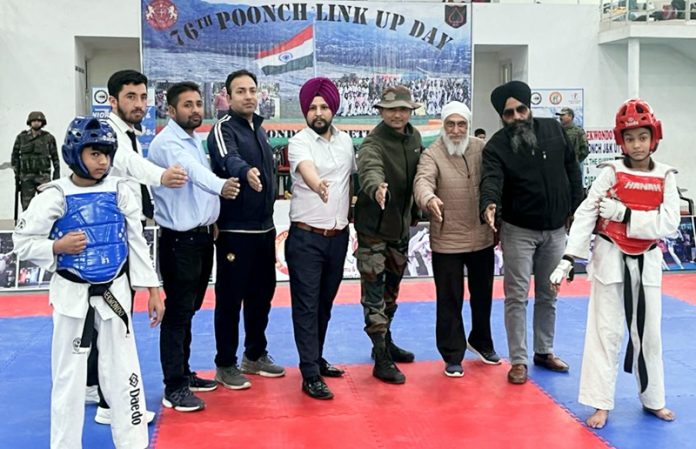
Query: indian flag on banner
[297,53]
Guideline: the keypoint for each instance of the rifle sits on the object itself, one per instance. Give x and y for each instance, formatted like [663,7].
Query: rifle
[18,187]
[16,199]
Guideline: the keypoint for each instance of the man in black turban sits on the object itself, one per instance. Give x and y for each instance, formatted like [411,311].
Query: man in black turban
[530,181]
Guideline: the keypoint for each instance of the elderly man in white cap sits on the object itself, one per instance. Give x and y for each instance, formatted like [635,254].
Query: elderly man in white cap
[446,186]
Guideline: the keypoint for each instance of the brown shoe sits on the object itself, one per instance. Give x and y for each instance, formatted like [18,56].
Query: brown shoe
[551,362]
[517,374]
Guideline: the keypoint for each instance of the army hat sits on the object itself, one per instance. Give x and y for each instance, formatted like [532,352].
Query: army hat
[565,111]
[36,115]
[397,97]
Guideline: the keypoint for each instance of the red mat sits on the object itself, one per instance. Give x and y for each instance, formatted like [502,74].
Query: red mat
[429,411]
[677,285]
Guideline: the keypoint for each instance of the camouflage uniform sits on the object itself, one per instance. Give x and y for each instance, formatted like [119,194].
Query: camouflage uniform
[385,156]
[32,156]
[578,141]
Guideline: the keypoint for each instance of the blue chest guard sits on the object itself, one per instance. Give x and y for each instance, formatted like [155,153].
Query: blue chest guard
[96,214]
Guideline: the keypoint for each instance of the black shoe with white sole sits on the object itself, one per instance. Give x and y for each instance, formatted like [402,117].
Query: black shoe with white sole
[182,400]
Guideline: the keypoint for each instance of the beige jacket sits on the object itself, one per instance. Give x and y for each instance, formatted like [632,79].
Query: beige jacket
[455,180]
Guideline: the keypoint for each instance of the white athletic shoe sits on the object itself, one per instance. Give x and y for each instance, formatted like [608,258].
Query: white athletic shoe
[92,395]
[103,416]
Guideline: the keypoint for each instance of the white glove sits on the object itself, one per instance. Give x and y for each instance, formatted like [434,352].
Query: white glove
[612,209]
[563,271]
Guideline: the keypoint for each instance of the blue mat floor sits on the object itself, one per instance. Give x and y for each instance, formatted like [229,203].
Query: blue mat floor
[25,368]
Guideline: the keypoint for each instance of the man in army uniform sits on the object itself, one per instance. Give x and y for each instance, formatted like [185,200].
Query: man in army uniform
[32,155]
[383,213]
[266,105]
[576,135]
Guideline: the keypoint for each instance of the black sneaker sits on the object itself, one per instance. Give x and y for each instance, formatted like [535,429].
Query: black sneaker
[198,384]
[488,357]
[182,400]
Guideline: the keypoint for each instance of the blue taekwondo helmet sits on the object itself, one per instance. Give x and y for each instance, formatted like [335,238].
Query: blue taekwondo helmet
[83,132]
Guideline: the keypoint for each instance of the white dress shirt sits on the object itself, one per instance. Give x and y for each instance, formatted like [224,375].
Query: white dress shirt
[334,160]
[131,166]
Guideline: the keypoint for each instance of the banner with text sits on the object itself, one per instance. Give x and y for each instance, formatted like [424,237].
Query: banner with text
[363,46]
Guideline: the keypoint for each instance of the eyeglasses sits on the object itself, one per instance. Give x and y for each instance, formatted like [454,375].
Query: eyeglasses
[510,113]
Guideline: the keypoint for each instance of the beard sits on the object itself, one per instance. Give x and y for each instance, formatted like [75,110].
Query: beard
[455,149]
[522,135]
[190,123]
[320,126]
[131,117]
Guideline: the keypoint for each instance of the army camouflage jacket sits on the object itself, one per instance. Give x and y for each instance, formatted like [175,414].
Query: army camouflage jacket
[33,155]
[578,141]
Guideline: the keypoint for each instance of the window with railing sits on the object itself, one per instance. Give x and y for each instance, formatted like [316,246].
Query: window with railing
[649,11]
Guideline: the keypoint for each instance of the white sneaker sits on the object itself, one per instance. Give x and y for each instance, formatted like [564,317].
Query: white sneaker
[103,416]
[92,395]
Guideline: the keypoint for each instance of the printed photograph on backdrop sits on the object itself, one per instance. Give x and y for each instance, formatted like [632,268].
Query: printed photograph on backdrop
[678,249]
[498,267]
[150,232]
[350,266]
[364,46]
[8,261]
[31,276]
[420,256]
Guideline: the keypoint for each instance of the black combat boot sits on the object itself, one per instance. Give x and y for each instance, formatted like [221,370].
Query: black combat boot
[398,354]
[385,369]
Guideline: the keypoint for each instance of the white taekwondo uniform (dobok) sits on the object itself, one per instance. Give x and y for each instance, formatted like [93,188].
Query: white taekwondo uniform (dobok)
[106,212]
[621,250]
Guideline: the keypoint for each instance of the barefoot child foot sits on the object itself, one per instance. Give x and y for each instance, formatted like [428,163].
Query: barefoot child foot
[664,413]
[598,419]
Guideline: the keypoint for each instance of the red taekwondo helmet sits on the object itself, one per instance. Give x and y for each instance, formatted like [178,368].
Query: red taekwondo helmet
[636,113]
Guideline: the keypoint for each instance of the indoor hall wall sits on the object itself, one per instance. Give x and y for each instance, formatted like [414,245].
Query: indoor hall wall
[667,83]
[560,41]
[103,63]
[486,78]
[38,62]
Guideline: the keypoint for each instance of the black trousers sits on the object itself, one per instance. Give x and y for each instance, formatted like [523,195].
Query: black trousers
[448,271]
[315,265]
[245,273]
[186,261]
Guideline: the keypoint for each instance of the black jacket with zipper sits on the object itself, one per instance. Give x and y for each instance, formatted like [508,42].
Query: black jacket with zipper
[235,147]
[534,189]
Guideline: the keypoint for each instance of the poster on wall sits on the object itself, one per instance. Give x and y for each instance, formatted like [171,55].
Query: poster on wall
[8,262]
[363,46]
[678,251]
[602,148]
[548,102]
[101,108]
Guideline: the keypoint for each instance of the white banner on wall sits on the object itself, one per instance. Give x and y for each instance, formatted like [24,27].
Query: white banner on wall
[547,102]
[603,148]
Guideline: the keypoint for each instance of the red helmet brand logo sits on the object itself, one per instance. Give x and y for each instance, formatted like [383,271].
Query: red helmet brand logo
[161,14]
[631,121]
